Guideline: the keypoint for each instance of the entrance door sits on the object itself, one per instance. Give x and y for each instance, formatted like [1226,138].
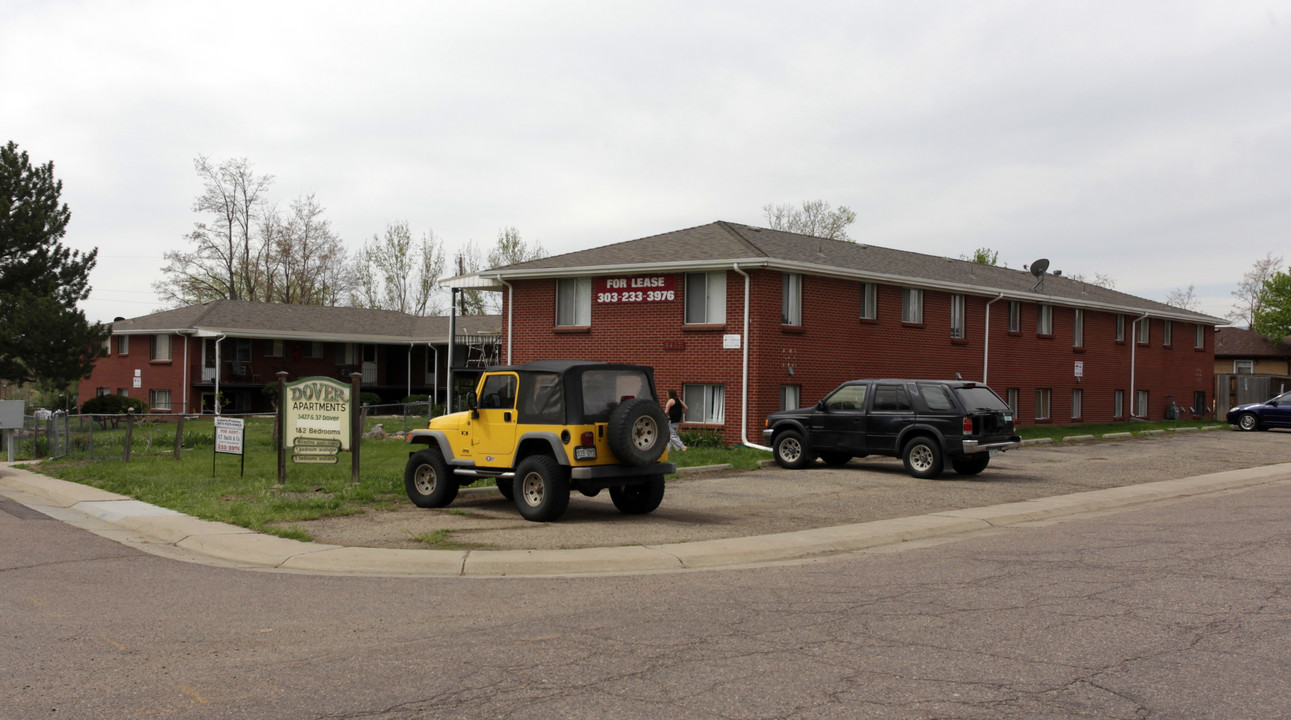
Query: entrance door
[208,359]
[369,364]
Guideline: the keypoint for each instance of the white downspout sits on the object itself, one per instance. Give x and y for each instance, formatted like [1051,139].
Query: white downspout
[511,304]
[1134,346]
[986,350]
[185,401]
[216,402]
[744,380]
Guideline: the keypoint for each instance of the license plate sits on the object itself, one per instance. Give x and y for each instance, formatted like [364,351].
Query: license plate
[1008,418]
[584,453]
[993,452]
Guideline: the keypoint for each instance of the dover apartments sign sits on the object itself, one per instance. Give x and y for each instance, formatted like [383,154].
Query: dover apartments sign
[317,409]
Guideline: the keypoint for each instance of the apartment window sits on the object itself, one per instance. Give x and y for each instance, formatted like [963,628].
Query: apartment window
[574,302]
[1078,329]
[957,316]
[1167,333]
[159,399]
[706,298]
[707,403]
[1042,397]
[123,344]
[1044,320]
[789,397]
[1243,367]
[1011,397]
[1120,328]
[314,350]
[1144,331]
[1199,337]
[123,392]
[911,306]
[1118,404]
[242,350]
[1077,404]
[346,354]
[1015,316]
[274,349]
[161,347]
[1141,404]
[791,300]
[869,301]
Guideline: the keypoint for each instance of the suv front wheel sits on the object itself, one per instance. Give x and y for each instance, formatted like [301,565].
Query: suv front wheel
[541,489]
[791,450]
[922,458]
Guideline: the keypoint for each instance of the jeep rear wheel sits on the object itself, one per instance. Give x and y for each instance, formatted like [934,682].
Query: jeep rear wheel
[791,450]
[922,458]
[428,481]
[638,431]
[639,499]
[541,489]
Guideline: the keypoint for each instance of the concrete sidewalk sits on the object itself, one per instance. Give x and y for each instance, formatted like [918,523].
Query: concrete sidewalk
[165,532]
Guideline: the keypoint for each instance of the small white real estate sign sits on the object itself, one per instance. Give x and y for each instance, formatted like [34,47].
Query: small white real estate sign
[317,416]
[229,433]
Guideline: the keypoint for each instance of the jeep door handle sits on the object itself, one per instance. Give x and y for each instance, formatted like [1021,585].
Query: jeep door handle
[506,417]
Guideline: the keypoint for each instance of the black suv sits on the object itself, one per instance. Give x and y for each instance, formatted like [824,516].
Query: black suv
[923,422]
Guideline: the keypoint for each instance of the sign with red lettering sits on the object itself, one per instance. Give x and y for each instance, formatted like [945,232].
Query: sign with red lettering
[635,289]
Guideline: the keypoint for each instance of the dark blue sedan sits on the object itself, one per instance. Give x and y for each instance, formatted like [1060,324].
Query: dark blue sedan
[1262,416]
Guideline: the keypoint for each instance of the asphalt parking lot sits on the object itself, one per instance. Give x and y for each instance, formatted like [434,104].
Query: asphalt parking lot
[773,500]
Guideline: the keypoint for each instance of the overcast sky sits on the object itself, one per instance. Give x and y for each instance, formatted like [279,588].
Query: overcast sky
[1145,141]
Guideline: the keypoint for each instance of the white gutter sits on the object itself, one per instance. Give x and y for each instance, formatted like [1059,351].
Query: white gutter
[185,399]
[1134,346]
[986,350]
[511,304]
[216,401]
[744,380]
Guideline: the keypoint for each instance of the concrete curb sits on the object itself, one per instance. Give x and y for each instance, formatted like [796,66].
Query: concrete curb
[145,526]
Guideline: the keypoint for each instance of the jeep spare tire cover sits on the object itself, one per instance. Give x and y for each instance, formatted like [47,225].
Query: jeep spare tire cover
[638,431]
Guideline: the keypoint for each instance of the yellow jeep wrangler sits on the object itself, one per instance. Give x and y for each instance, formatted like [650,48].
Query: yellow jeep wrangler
[543,429]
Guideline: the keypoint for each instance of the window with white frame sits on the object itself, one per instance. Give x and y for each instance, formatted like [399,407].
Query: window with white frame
[347,354]
[957,323]
[706,298]
[1199,337]
[159,399]
[1078,329]
[791,300]
[574,302]
[1243,367]
[1144,331]
[1042,397]
[911,306]
[1167,333]
[123,344]
[274,349]
[706,403]
[1077,403]
[1044,320]
[869,301]
[1141,404]
[789,396]
[1120,328]
[1011,397]
[1118,404]
[161,347]
[1015,316]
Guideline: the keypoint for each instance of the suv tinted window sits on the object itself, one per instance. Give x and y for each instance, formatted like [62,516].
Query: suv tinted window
[849,397]
[499,392]
[543,400]
[937,397]
[603,389]
[981,398]
[891,398]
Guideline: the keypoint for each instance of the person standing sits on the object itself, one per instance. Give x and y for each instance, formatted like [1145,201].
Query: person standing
[676,410]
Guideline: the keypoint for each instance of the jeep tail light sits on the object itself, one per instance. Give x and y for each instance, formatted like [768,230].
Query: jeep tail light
[588,439]
[968,426]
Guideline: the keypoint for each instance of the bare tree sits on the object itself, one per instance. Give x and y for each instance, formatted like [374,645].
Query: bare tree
[511,249]
[1184,298]
[471,302]
[1099,279]
[1250,291]
[226,258]
[304,262]
[395,273]
[815,218]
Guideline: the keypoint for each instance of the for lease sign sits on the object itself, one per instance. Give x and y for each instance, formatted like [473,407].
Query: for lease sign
[229,433]
[635,289]
[317,408]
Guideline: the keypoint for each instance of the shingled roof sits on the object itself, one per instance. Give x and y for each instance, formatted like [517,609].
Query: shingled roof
[238,318]
[724,244]
[1243,343]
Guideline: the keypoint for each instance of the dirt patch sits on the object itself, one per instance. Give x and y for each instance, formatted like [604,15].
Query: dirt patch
[772,500]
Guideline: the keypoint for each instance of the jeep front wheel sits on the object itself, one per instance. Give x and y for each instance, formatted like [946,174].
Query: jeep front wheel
[638,431]
[922,458]
[791,450]
[541,489]
[428,481]
[639,499]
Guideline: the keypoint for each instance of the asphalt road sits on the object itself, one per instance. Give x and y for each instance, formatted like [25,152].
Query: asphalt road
[1179,610]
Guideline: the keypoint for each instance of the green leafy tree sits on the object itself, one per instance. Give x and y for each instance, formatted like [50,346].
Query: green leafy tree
[814,217]
[44,338]
[1273,320]
[983,256]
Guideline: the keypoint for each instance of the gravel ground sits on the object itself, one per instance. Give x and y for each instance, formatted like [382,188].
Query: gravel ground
[773,500]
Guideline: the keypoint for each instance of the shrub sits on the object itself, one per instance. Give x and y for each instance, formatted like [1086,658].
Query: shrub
[703,438]
[113,405]
[369,398]
[415,399]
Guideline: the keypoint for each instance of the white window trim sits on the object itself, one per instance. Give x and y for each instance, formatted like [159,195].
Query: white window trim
[1167,333]
[1078,329]
[1143,333]
[791,300]
[1043,403]
[869,301]
[912,306]
[1077,403]
[707,403]
[1199,338]
[1044,319]
[958,323]
[161,348]
[580,315]
[1239,364]
[1015,316]
[714,299]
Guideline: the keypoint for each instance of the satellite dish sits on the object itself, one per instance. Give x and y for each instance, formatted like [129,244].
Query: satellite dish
[1039,266]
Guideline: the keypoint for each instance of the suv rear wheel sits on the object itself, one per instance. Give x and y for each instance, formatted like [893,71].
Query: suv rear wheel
[791,450]
[639,499]
[922,458]
[638,431]
[971,464]
[428,481]
[541,489]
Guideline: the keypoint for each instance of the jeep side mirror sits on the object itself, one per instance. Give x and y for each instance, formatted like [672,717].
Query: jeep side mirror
[473,404]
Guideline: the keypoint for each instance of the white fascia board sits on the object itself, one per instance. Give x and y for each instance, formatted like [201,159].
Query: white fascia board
[313,337]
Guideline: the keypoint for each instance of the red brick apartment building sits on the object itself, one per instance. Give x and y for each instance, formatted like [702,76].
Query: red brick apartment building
[177,360]
[746,321]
